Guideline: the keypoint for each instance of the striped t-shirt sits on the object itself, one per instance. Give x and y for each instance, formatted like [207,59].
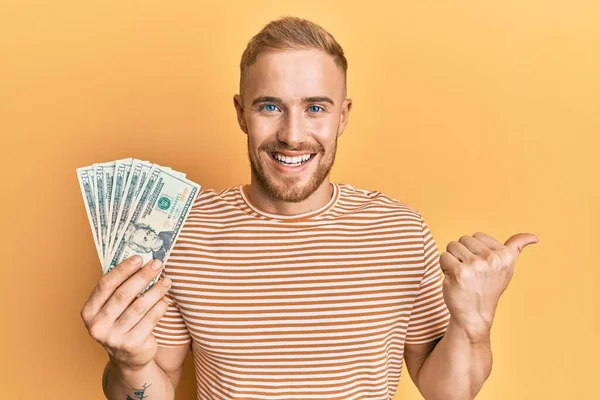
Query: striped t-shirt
[312,306]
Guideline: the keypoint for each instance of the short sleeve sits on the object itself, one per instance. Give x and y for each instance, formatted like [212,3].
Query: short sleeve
[171,330]
[429,317]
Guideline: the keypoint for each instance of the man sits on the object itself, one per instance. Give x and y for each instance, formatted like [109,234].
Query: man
[293,287]
[143,239]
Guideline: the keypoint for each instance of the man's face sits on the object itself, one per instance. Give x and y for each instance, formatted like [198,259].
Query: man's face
[293,110]
[147,238]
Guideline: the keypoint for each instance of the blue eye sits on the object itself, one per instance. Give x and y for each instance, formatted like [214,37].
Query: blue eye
[315,108]
[269,107]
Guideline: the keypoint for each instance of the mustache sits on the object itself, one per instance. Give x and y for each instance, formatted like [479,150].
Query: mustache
[278,147]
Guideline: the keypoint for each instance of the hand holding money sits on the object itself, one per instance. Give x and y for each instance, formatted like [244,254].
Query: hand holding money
[135,208]
[121,321]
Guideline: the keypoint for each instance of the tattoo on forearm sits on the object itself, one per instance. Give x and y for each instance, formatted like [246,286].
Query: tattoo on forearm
[138,394]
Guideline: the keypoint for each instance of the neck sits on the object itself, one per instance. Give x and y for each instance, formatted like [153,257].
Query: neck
[316,200]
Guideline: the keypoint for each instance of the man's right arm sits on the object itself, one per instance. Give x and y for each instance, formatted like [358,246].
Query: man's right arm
[156,380]
[123,322]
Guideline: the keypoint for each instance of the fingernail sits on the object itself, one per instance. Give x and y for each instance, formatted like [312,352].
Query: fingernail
[166,281]
[136,260]
[156,265]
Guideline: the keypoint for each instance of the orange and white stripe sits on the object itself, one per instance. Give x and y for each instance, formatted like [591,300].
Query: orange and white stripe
[312,306]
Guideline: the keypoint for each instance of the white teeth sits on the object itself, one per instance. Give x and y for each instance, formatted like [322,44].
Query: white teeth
[292,160]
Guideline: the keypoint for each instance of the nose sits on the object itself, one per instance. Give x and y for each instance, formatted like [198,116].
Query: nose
[292,131]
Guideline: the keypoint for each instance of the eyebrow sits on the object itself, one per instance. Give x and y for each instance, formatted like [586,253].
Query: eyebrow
[313,99]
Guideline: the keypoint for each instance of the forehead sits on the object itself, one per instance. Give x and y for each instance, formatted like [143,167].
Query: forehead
[139,232]
[294,74]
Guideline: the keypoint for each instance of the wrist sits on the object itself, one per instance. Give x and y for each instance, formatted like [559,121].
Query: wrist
[474,332]
[126,368]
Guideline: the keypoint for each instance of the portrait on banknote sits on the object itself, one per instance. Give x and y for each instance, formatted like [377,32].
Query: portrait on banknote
[143,238]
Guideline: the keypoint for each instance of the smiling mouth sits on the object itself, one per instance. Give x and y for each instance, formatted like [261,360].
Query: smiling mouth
[295,161]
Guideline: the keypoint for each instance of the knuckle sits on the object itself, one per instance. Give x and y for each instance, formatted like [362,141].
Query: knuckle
[138,307]
[104,284]
[132,345]
[121,296]
[85,315]
[464,238]
[95,330]
[127,347]
[149,274]
[114,341]
[120,322]
[481,265]
[155,315]
[447,260]
[444,256]
[158,311]
[462,273]
[492,258]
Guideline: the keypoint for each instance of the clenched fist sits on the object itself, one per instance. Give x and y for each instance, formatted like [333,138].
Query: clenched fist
[477,270]
[121,321]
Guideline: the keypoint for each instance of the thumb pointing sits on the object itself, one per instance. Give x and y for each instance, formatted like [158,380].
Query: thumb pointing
[518,242]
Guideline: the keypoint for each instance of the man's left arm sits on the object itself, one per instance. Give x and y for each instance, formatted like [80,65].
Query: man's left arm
[454,367]
[477,270]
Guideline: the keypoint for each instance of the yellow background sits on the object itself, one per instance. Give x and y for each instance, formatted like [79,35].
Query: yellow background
[482,115]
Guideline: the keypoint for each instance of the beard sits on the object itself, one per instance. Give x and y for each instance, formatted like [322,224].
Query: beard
[287,188]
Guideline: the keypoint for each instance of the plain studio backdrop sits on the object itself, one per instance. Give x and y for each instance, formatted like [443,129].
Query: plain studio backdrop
[485,117]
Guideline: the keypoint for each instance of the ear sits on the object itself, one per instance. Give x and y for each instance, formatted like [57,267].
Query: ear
[344,116]
[239,109]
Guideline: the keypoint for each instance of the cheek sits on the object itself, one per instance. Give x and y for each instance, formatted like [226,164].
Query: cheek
[320,125]
[260,129]
[325,132]
[326,125]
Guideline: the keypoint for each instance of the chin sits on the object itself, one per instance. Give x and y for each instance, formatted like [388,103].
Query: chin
[291,189]
[294,193]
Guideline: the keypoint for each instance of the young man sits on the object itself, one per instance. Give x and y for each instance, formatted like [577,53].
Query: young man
[293,287]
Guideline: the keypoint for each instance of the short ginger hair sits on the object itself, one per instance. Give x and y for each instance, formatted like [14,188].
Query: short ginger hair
[289,33]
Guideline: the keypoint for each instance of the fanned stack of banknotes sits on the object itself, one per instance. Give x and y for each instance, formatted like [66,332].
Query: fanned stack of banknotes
[135,207]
